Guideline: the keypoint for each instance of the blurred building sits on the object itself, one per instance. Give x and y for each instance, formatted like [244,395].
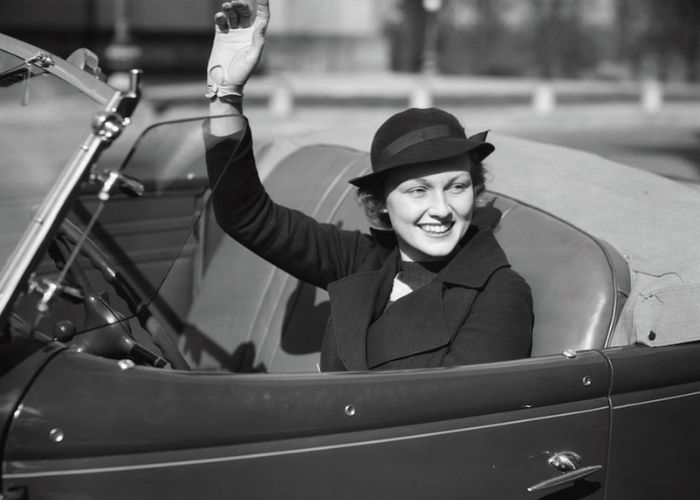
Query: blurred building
[175,35]
[543,38]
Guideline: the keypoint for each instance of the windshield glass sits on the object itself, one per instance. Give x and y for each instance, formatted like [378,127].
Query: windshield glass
[148,239]
[44,120]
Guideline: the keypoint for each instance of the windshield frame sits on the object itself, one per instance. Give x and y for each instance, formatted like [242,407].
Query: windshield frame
[52,208]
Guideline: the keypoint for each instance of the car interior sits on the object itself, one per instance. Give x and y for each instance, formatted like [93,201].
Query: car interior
[232,311]
[249,316]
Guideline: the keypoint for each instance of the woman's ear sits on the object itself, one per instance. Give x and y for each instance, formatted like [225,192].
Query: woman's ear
[383,215]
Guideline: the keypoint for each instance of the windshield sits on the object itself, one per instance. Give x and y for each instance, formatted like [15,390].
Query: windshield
[44,121]
[131,254]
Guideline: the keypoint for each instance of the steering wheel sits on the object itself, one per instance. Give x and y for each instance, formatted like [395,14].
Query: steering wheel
[108,334]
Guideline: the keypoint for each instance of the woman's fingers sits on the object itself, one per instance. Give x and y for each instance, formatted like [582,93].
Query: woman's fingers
[238,13]
[221,21]
[244,12]
[231,14]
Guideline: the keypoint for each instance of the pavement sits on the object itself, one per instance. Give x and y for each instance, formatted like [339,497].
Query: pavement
[638,123]
[607,118]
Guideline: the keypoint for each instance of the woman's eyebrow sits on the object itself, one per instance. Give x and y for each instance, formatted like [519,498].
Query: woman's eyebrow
[419,180]
[459,178]
[422,180]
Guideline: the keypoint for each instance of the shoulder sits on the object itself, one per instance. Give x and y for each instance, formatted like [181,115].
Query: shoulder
[507,279]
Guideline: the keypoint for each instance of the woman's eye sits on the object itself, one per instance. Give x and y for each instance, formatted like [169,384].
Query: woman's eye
[417,191]
[457,188]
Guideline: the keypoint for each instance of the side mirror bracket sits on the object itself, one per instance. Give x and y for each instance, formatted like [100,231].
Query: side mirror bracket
[88,61]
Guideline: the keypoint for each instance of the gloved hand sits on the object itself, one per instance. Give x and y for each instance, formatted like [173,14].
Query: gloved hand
[238,44]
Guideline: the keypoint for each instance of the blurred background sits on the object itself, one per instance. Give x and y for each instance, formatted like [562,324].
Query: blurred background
[619,78]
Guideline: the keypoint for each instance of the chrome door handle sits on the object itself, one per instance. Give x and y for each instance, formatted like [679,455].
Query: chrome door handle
[569,464]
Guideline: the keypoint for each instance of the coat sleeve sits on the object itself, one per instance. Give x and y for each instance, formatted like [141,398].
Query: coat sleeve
[311,251]
[499,324]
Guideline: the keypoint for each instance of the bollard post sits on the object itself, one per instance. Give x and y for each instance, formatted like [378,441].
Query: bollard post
[652,96]
[281,102]
[121,53]
[543,98]
[421,96]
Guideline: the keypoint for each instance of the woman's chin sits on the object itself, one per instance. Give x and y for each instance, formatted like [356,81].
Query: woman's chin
[434,250]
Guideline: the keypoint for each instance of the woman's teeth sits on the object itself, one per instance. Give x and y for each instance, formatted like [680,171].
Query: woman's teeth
[435,228]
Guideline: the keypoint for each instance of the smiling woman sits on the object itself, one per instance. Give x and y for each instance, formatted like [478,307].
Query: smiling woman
[434,290]
[426,174]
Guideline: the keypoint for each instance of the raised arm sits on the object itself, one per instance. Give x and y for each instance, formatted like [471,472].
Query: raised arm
[238,44]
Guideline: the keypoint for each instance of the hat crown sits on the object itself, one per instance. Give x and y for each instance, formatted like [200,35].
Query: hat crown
[414,126]
[419,136]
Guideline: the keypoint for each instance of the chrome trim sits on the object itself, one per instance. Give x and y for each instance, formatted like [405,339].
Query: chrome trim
[82,80]
[657,400]
[311,449]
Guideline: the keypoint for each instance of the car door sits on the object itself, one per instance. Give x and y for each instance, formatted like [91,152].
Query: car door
[94,428]
[655,443]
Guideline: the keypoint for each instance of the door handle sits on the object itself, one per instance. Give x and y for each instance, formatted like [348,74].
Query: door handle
[569,464]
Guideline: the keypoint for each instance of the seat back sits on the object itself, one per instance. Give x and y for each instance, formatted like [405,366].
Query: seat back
[579,283]
[250,316]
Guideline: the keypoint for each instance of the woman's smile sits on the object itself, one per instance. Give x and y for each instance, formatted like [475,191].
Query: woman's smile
[434,229]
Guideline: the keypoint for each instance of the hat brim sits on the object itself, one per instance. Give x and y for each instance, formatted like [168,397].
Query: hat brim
[429,151]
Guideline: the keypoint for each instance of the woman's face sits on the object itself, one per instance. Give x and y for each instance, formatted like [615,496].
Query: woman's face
[430,208]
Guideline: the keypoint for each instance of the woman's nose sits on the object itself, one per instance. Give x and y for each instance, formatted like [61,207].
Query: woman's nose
[438,206]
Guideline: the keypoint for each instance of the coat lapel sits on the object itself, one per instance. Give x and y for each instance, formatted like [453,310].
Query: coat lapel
[479,257]
[355,301]
[412,325]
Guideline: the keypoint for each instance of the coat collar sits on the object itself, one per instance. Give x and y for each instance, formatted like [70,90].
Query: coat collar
[358,299]
[479,256]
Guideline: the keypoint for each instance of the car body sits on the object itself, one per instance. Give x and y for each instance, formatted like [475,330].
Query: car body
[146,355]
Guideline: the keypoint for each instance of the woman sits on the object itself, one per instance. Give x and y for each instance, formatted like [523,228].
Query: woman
[435,291]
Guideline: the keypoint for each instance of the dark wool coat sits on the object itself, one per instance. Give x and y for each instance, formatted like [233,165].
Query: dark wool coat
[476,310]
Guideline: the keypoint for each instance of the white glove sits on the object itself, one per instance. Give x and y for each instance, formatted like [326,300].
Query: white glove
[238,44]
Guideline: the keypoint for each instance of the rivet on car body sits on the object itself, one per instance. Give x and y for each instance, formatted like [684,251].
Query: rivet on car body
[56,435]
[569,353]
[586,381]
[126,364]
[350,410]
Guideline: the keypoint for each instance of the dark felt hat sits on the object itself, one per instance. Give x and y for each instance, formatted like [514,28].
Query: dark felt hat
[419,136]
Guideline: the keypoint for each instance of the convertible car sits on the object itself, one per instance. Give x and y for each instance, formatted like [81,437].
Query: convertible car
[143,354]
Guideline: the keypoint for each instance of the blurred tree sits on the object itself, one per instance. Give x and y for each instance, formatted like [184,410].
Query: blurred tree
[560,45]
[488,32]
[653,36]
[687,35]
[629,21]
[406,32]
[475,38]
